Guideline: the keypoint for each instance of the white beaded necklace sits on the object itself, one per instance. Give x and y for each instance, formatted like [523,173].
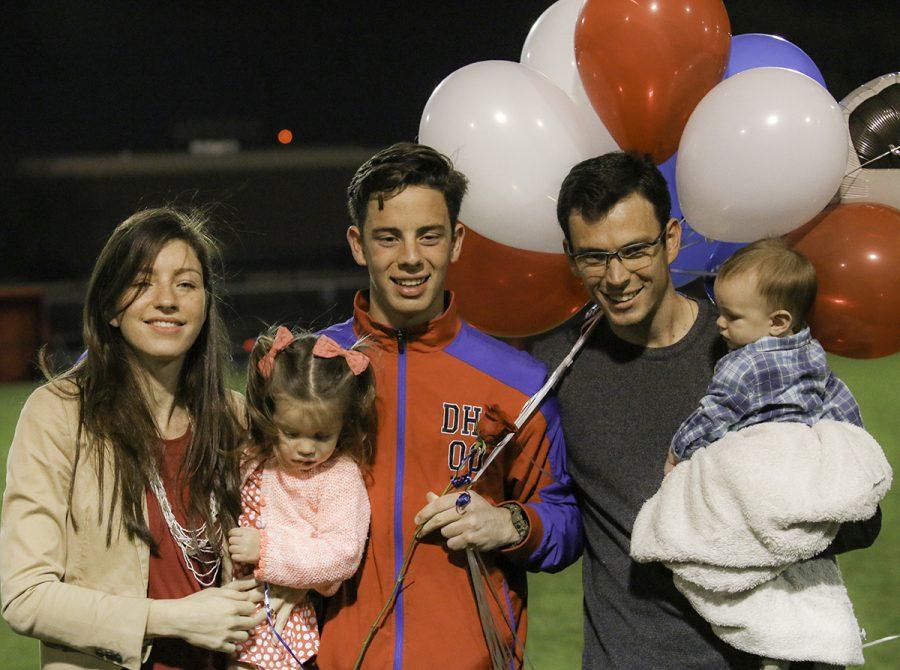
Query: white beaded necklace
[193,542]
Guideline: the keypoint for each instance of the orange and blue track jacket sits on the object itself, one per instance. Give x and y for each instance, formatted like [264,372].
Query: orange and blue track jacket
[433,382]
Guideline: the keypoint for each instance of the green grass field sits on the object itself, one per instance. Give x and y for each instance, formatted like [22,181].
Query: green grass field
[554,640]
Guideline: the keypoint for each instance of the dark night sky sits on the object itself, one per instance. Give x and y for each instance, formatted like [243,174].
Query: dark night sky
[111,76]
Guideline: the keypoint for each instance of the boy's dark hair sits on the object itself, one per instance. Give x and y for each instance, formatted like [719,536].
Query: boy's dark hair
[594,186]
[404,164]
[301,375]
[784,277]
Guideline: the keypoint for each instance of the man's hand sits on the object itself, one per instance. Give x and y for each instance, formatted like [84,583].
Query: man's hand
[243,545]
[479,525]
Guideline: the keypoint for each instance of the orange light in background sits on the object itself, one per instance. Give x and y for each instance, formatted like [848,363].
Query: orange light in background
[285,136]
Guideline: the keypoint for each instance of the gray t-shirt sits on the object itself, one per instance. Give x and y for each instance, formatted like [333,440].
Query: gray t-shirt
[621,404]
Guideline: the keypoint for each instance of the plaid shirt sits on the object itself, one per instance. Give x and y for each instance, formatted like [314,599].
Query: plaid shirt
[772,379]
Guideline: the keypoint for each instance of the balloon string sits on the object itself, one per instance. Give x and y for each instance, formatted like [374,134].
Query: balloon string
[881,640]
[892,149]
[691,244]
[528,410]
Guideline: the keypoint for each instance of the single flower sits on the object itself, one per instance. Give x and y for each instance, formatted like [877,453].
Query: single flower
[494,424]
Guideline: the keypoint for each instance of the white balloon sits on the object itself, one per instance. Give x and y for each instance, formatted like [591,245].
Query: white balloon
[550,49]
[762,154]
[867,184]
[515,135]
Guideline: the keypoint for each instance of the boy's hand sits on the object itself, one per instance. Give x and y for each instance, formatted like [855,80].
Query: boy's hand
[243,545]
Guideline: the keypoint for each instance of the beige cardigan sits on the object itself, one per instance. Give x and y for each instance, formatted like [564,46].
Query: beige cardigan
[85,601]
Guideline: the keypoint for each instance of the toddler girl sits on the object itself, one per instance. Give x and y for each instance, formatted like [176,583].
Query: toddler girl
[305,511]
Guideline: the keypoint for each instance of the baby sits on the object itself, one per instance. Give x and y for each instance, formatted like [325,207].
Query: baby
[775,370]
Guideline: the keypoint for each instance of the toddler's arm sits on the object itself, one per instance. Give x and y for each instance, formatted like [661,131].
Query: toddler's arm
[728,399]
[840,405]
[321,562]
[243,545]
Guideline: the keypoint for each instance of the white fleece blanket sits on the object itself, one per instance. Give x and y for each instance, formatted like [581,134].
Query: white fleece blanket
[736,523]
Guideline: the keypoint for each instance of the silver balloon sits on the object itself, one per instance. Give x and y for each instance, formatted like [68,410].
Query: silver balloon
[870,183]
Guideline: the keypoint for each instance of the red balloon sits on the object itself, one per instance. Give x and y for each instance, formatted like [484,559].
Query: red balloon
[855,249]
[793,237]
[511,292]
[645,64]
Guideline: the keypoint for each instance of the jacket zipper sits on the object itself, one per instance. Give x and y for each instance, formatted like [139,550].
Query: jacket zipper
[400,463]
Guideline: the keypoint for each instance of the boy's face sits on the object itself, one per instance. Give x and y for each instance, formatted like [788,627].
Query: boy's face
[744,315]
[408,247]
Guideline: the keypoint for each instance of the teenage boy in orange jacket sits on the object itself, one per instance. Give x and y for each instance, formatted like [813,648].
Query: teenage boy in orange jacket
[435,375]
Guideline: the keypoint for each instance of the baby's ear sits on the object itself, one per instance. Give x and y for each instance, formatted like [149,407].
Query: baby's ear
[780,323]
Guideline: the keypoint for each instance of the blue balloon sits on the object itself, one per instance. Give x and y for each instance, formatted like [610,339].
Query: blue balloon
[719,253]
[758,50]
[695,249]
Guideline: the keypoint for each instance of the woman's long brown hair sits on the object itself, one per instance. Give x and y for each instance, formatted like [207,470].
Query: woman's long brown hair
[115,423]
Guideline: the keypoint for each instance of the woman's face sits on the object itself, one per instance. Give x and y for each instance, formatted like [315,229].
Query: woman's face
[166,308]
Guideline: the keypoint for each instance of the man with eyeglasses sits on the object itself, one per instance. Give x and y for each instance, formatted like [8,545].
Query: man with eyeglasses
[644,369]
[641,373]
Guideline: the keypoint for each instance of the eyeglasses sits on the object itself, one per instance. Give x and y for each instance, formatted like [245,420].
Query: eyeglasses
[633,257]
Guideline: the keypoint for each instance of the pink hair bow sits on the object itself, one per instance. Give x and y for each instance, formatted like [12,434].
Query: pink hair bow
[283,339]
[325,347]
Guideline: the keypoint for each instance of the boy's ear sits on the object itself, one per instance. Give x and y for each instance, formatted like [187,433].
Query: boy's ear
[458,232]
[780,322]
[355,240]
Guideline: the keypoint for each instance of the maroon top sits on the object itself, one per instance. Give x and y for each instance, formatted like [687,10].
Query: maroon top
[169,575]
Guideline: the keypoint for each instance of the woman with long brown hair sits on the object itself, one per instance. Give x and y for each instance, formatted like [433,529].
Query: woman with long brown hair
[122,475]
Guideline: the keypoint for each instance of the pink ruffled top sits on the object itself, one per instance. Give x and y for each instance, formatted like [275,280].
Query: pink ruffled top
[313,524]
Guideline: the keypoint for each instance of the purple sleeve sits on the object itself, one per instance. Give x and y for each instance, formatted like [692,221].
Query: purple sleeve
[554,504]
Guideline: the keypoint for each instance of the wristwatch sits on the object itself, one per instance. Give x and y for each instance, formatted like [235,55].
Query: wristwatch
[519,520]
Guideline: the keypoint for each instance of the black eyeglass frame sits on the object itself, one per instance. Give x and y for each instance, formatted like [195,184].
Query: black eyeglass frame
[607,256]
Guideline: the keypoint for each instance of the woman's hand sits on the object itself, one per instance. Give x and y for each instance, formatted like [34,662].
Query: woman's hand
[243,545]
[214,618]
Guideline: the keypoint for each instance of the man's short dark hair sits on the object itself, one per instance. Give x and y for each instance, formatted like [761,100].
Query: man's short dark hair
[593,187]
[404,164]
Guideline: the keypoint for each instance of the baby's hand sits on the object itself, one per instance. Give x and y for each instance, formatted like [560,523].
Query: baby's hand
[243,545]
[671,462]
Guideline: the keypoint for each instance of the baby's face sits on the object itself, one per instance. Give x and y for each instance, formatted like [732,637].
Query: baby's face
[744,316]
[308,433]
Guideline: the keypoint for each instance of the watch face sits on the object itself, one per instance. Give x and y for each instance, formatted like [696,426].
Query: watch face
[519,520]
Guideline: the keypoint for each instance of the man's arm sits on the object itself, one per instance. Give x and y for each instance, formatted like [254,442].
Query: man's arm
[855,535]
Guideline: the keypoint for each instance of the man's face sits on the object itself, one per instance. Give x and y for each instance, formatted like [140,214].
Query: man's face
[408,247]
[629,298]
